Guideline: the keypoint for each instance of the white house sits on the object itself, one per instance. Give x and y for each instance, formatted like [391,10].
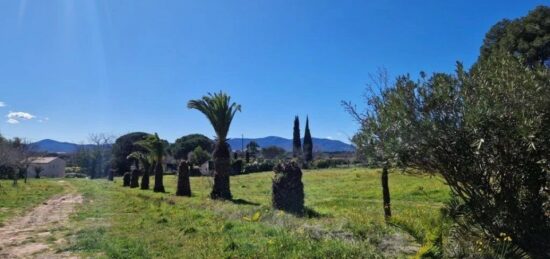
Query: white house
[49,166]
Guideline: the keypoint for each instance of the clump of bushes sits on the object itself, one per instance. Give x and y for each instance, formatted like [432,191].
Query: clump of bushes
[257,167]
[329,163]
[237,167]
[75,175]
[184,186]
[288,189]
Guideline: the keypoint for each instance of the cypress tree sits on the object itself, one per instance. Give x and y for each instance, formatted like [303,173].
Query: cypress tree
[296,141]
[308,143]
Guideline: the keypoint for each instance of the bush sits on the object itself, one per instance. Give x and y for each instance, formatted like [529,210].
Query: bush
[257,167]
[288,189]
[237,167]
[329,163]
[75,175]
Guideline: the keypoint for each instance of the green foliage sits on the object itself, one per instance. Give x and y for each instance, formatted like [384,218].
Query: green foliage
[330,163]
[252,148]
[273,152]
[220,111]
[182,146]
[308,143]
[75,175]
[296,141]
[198,156]
[526,38]
[485,132]
[124,146]
[156,147]
[257,167]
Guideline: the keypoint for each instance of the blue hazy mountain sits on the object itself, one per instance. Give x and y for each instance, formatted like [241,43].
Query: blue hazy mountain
[323,145]
[319,144]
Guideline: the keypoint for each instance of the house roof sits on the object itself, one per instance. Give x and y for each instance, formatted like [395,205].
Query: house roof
[42,160]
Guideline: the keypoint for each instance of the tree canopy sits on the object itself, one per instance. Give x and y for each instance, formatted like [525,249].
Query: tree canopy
[182,146]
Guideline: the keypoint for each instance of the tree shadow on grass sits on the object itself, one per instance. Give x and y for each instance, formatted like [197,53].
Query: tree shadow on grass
[308,213]
[244,202]
[311,213]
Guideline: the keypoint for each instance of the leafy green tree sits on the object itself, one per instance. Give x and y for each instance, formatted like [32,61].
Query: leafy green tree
[253,148]
[525,37]
[296,140]
[124,146]
[182,146]
[220,111]
[308,144]
[272,152]
[376,139]
[157,148]
[198,156]
[146,160]
[486,133]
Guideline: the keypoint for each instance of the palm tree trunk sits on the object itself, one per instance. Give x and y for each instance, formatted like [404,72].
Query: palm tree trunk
[221,189]
[386,193]
[145,178]
[159,186]
[184,187]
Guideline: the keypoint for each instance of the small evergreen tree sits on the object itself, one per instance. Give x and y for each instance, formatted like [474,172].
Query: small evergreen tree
[308,144]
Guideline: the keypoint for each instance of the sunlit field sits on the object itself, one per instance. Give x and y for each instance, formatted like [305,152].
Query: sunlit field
[344,219]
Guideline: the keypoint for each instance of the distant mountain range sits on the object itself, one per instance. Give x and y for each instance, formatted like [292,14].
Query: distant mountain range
[323,145]
[54,146]
[319,144]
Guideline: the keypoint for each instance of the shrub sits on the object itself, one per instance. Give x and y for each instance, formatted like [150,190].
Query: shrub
[237,167]
[75,175]
[288,189]
[257,167]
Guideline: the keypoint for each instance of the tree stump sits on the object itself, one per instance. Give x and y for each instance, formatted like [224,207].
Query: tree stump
[288,189]
[126,179]
[134,178]
[184,186]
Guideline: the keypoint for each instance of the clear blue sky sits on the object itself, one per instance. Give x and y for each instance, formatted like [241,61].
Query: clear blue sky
[78,67]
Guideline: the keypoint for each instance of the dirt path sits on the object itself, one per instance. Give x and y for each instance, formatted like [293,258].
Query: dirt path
[31,235]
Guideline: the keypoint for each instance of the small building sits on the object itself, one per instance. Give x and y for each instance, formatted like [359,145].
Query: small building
[49,166]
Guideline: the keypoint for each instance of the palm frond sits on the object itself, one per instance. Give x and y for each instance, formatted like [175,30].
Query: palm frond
[219,110]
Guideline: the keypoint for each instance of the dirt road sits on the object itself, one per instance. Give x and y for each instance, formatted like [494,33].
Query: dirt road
[32,235]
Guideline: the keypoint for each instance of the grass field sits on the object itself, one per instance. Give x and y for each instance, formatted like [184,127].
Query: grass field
[345,219]
[18,199]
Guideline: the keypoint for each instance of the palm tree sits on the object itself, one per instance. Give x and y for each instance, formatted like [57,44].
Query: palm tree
[220,111]
[155,146]
[147,162]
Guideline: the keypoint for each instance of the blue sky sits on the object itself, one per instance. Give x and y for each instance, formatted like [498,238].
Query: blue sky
[71,68]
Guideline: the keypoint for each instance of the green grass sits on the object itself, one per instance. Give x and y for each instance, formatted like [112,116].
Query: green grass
[118,222]
[14,200]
